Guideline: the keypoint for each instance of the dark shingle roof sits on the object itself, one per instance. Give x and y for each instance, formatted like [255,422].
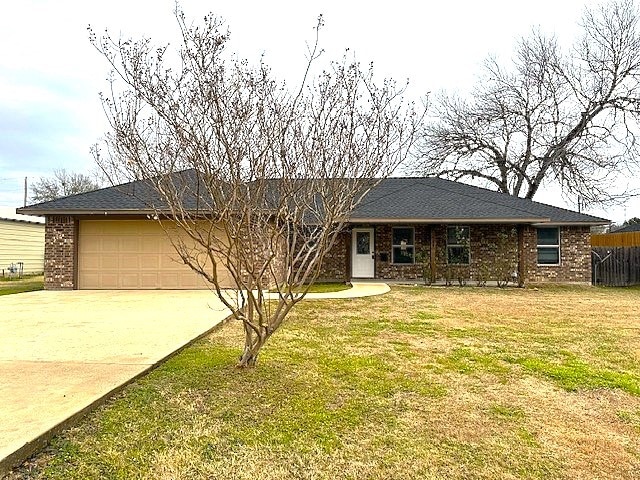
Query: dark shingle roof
[634,227]
[435,198]
[132,197]
[394,199]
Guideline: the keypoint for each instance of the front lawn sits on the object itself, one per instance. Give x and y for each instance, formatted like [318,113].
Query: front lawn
[328,287]
[420,383]
[26,284]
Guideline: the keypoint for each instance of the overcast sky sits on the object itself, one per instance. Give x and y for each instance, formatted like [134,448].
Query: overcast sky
[50,76]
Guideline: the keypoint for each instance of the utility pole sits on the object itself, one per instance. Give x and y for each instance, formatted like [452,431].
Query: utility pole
[25,192]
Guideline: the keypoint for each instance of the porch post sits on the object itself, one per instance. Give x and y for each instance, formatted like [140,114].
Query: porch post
[521,259]
[348,255]
[432,253]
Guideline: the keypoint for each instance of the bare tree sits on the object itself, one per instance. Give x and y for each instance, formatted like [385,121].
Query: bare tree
[550,117]
[253,182]
[62,184]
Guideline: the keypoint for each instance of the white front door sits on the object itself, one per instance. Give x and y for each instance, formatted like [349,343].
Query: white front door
[362,253]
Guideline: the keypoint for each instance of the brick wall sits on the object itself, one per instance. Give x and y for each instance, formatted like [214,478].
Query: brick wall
[386,269]
[575,253]
[60,248]
[485,256]
[575,257]
[335,267]
[487,260]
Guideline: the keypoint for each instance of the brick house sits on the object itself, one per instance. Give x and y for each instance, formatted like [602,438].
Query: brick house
[408,228]
[405,228]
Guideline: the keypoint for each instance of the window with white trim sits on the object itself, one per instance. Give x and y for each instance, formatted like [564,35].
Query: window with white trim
[548,246]
[458,245]
[403,247]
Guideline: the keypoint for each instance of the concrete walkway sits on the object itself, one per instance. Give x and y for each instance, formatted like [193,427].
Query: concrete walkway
[358,289]
[62,353]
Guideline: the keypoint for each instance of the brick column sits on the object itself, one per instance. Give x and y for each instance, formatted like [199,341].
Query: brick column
[60,253]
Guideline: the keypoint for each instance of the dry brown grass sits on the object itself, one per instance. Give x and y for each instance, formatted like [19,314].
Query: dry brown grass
[421,383]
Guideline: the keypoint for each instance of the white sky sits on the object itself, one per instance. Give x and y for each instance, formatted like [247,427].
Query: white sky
[50,75]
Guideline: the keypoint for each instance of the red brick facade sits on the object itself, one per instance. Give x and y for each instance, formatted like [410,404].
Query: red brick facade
[495,251]
[60,252]
[575,257]
[336,265]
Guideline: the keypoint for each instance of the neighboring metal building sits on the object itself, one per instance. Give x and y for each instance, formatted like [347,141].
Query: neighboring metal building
[21,243]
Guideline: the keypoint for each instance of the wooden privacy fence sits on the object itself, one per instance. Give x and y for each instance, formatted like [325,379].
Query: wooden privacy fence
[615,266]
[627,239]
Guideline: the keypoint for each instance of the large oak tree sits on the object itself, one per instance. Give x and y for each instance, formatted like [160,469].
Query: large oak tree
[554,116]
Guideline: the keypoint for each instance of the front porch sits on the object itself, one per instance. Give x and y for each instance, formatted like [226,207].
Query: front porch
[454,253]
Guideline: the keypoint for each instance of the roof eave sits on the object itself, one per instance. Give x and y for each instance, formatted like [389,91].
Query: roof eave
[94,211]
[534,221]
[450,220]
[595,223]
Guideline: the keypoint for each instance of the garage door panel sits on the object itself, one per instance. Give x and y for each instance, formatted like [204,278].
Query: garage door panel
[109,244]
[129,261]
[91,228]
[92,244]
[130,280]
[109,262]
[127,227]
[149,262]
[108,280]
[167,248]
[170,262]
[92,262]
[150,244]
[131,254]
[91,278]
[149,280]
[129,245]
[168,279]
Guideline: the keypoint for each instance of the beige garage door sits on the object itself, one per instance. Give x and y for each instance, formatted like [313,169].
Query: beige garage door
[131,254]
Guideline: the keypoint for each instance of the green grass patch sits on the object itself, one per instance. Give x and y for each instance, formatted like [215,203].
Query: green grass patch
[469,361]
[630,417]
[414,328]
[7,279]
[328,287]
[506,412]
[575,374]
[26,284]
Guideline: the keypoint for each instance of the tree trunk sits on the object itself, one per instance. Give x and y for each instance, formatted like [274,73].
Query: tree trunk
[253,343]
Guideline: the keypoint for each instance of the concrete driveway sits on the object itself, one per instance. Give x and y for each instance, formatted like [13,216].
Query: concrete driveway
[62,352]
